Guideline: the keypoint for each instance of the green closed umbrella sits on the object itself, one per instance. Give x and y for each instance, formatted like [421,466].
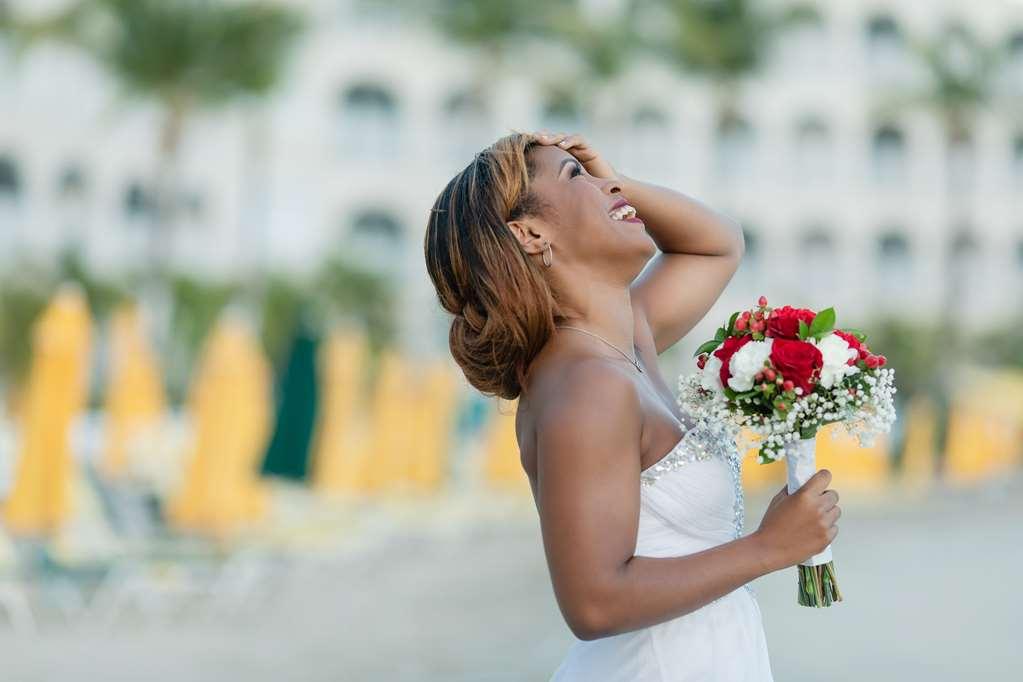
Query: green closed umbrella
[288,453]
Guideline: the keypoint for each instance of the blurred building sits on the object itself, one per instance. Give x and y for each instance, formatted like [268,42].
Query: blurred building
[377,113]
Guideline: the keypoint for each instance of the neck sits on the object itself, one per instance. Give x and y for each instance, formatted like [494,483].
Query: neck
[605,310]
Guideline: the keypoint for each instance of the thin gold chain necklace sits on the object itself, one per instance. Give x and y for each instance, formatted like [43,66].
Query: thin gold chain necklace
[578,329]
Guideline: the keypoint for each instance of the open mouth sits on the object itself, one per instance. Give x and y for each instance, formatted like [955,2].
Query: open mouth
[625,213]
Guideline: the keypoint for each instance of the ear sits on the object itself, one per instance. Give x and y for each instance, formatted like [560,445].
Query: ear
[531,240]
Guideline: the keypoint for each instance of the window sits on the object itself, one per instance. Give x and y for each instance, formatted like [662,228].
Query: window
[139,202]
[376,240]
[749,267]
[805,46]
[1014,58]
[10,180]
[961,161]
[752,241]
[648,143]
[965,265]
[71,183]
[560,113]
[885,43]
[894,265]
[369,122]
[818,267]
[813,150]
[817,243]
[889,154]
[467,126]
[733,148]
[1017,157]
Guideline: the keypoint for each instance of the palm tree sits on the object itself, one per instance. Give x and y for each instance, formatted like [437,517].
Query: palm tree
[724,41]
[960,76]
[184,55]
[504,30]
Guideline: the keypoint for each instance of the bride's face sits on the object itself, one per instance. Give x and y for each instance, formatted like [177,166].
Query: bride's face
[577,217]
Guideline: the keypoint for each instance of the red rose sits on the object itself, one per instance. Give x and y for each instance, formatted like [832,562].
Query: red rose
[798,361]
[727,350]
[784,322]
[853,342]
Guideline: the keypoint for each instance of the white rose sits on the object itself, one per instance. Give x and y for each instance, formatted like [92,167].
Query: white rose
[836,353]
[746,362]
[710,378]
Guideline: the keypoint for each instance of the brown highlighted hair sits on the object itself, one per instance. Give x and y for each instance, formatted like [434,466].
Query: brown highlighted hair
[504,309]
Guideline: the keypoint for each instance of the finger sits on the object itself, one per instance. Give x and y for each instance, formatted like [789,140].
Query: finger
[832,497]
[832,515]
[551,138]
[819,481]
[572,141]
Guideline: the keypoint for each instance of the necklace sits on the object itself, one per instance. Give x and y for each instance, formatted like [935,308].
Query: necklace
[578,329]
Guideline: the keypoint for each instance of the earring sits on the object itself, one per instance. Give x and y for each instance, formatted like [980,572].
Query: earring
[549,250]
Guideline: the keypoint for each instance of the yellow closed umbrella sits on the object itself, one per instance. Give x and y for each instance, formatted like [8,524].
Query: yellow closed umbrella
[851,465]
[434,413]
[918,453]
[340,454]
[502,462]
[393,440]
[135,400]
[230,406]
[757,476]
[41,497]
[980,446]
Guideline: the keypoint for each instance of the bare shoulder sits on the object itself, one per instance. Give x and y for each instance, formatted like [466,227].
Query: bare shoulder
[587,411]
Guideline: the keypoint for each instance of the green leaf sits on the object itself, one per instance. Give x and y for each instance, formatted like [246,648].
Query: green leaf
[706,347]
[731,322]
[721,334]
[823,323]
[804,330]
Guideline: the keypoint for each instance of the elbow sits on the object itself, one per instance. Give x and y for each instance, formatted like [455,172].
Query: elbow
[590,622]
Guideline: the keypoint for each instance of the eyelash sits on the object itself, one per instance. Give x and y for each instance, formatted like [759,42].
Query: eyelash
[577,171]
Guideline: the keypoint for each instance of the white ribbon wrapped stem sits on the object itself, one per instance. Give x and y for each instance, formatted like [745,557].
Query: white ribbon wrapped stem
[800,463]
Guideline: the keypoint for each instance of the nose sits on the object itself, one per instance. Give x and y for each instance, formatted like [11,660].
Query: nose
[612,186]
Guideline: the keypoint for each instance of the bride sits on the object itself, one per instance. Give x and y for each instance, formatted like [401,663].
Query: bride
[536,248]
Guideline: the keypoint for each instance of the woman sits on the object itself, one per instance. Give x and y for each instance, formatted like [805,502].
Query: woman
[536,248]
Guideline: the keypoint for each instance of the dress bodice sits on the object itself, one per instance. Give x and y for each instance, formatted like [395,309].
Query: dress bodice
[692,498]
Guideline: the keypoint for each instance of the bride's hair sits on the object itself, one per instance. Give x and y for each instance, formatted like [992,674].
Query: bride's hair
[504,309]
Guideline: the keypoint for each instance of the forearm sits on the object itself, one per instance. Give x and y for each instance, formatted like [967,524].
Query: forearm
[681,224]
[650,590]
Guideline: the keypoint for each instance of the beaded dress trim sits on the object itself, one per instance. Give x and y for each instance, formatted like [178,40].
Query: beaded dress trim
[701,443]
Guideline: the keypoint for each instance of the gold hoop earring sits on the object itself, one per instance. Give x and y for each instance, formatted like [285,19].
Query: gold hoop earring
[549,250]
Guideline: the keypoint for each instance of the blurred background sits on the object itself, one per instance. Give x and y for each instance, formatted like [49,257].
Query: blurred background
[233,444]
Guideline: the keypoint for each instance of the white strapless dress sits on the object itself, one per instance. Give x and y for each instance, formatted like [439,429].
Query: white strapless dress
[690,500]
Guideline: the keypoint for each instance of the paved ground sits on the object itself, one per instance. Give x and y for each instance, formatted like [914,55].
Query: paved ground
[931,592]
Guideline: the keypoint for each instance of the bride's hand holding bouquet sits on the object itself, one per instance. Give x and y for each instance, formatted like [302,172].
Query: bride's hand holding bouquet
[776,375]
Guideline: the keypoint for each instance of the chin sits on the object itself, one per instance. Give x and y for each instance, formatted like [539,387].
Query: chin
[647,247]
[641,252]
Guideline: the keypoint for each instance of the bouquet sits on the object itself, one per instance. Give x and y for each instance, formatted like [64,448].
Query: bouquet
[779,374]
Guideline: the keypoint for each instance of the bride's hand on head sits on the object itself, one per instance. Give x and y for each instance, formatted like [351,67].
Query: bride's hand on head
[577,146]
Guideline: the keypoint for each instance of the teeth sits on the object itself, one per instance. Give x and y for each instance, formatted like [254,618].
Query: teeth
[623,212]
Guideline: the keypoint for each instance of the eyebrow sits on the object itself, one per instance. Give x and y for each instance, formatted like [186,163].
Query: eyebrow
[570,159]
